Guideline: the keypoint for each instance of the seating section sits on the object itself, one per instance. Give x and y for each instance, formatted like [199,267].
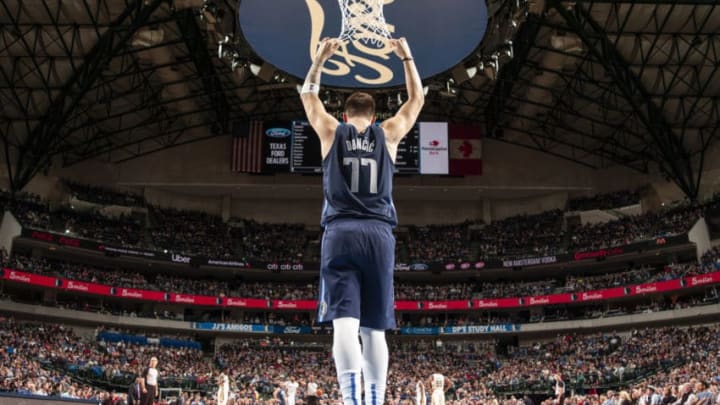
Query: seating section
[482,370]
[47,359]
[403,290]
[103,195]
[196,233]
[606,201]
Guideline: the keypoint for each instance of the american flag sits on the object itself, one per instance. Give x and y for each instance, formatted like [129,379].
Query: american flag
[247,147]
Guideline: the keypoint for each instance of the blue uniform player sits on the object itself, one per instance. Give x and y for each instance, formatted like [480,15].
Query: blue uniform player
[358,247]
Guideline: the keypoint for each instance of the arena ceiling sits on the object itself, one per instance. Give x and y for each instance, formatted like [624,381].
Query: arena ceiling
[598,82]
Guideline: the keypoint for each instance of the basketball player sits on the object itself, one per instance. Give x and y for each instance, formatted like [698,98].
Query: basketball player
[223,391]
[311,394]
[279,396]
[358,247]
[420,397]
[559,389]
[149,383]
[291,387]
[439,385]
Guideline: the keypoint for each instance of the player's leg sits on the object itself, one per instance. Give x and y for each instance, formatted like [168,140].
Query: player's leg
[375,364]
[377,303]
[340,303]
[377,309]
[348,358]
[438,397]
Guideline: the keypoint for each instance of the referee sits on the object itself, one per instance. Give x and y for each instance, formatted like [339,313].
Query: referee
[311,391]
[150,383]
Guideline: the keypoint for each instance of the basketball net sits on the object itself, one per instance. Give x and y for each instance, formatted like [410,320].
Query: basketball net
[363,20]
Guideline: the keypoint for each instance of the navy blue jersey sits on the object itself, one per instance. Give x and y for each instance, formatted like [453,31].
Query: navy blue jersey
[357,176]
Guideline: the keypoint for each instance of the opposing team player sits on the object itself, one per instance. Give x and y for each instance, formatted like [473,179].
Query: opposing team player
[291,387]
[439,384]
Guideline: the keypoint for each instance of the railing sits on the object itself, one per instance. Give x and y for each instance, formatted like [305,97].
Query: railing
[594,296]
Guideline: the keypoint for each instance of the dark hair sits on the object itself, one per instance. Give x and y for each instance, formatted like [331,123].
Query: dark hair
[360,103]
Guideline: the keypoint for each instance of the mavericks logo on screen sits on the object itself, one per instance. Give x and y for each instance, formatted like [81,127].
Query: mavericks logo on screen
[286,34]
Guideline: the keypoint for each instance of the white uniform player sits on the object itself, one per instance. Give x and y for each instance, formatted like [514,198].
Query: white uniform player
[291,390]
[559,388]
[437,384]
[420,398]
[223,389]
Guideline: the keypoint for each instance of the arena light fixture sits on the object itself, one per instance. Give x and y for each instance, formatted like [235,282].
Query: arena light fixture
[148,37]
[509,51]
[211,9]
[278,78]
[472,71]
[450,91]
[394,102]
[332,101]
[264,72]
[255,69]
[491,66]
[222,46]
[236,62]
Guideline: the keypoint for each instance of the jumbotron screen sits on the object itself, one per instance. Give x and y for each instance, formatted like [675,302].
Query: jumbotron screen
[306,156]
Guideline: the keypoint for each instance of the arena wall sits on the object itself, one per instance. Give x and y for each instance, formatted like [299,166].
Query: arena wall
[162,198]
[308,211]
[516,180]
[626,322]
[504,166]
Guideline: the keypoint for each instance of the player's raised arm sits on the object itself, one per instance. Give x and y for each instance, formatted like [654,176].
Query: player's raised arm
[398,126]
[323,123]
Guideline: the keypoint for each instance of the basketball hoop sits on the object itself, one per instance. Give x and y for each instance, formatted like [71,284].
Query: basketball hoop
[363,20]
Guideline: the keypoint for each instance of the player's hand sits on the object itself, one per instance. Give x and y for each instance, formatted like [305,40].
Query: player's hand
[144,391]
[401,48]
[326,48]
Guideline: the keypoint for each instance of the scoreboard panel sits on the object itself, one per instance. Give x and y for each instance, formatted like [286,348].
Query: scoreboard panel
[306,151]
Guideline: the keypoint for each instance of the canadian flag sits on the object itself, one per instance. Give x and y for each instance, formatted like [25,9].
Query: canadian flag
[465,150]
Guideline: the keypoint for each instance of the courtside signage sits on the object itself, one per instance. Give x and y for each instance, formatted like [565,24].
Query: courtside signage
[21,277]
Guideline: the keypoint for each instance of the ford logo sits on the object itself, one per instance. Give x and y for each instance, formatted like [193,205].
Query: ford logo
[277,132]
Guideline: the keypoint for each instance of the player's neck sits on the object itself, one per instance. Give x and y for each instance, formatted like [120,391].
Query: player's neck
[360,123]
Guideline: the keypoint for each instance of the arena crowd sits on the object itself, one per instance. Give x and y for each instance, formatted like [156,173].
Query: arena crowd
[197,233]
[48,360]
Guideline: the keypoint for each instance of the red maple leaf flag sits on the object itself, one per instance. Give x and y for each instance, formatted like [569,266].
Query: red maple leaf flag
[465,150]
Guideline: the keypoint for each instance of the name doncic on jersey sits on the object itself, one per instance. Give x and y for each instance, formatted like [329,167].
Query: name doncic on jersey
[363,144]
